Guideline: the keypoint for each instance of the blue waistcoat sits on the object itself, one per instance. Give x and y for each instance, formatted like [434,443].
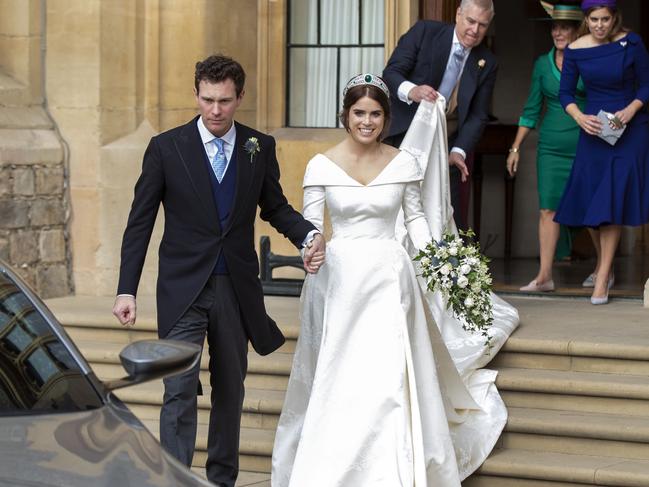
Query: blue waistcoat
[223,194]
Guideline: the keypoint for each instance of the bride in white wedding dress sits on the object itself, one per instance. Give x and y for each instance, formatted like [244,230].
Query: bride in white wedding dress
[375,398]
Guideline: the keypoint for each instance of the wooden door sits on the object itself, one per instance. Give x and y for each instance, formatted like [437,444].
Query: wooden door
[438,9]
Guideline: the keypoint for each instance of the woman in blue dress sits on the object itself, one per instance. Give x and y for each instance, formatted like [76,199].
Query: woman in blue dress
[609,184]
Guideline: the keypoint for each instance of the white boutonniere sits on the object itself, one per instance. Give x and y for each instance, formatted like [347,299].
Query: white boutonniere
[252,147]
[482,63]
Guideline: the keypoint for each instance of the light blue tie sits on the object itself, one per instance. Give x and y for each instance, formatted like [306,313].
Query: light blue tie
[219,161]
[452,73]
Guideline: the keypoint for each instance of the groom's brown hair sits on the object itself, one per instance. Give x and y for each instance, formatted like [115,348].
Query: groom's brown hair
[217,68]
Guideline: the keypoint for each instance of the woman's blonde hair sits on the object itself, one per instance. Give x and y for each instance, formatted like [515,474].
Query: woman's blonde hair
[616,28]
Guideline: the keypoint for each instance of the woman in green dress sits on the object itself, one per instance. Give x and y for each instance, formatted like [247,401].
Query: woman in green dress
[557,137]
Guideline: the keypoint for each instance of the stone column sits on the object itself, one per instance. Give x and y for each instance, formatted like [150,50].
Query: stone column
[73,75]
[20,45]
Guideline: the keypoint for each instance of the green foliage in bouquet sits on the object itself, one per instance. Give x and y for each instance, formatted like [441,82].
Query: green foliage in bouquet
[460,273]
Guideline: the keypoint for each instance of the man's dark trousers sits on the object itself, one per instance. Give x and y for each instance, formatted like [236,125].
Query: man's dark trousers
[215,312]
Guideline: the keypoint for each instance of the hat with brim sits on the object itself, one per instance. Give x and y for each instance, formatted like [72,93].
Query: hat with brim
[563,12]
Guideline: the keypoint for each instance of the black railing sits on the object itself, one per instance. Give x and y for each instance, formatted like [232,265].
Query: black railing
[269,261]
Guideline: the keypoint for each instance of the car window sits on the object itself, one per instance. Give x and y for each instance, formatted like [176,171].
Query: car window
[37,372]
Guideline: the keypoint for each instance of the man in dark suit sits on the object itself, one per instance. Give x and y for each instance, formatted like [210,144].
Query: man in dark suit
[433,58]
[210,175]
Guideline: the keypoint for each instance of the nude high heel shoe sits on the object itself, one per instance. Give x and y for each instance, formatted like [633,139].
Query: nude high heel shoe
[598,301]
[604,299]
[534,287]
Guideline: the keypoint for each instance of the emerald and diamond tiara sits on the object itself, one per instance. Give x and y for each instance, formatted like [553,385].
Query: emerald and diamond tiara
[367,79]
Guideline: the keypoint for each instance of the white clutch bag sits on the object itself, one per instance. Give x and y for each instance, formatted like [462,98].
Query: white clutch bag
[608,133]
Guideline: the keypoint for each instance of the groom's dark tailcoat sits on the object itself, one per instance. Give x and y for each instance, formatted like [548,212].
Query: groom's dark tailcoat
[176,173]
[420,57]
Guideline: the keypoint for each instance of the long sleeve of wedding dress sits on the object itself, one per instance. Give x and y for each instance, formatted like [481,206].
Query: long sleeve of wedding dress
[314,204]
[414,217]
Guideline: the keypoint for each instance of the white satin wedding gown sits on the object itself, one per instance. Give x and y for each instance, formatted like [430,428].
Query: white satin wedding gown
[374,398]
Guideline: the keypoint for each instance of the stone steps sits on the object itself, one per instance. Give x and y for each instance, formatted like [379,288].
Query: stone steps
[104,352]
[262,416]
[574,383]
[606,435]
[625,366]
[255,446]
[609,426]
[577,409]
[478,480]
[569,402]
[268,372]
[120,336]
[97,324]
[520,465]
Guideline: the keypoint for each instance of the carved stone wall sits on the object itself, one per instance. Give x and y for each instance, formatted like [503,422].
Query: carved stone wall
[34,206]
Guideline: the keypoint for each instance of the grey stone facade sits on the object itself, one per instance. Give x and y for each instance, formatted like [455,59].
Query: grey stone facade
[33,235]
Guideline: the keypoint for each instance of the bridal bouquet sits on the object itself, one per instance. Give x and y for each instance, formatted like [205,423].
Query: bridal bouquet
[460,272]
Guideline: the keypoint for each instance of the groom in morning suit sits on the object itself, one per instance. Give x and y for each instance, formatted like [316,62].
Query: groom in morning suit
[210,175]
[435,57]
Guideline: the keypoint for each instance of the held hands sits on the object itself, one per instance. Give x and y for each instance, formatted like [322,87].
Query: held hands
[422,92]
[314,254]
[512,163]
[124,310]
[456,159]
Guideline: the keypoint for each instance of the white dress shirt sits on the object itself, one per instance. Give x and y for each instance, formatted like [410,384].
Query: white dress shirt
[406,86]
[228,142]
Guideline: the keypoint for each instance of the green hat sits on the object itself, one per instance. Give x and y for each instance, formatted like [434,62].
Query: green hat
[563,12]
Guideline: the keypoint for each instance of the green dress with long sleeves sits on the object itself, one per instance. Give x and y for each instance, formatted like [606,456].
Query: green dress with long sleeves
[558,136]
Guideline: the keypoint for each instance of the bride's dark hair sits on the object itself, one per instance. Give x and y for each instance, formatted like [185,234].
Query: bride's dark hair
[356,93]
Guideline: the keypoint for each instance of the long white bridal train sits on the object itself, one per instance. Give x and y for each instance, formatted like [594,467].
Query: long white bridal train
[474,433]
